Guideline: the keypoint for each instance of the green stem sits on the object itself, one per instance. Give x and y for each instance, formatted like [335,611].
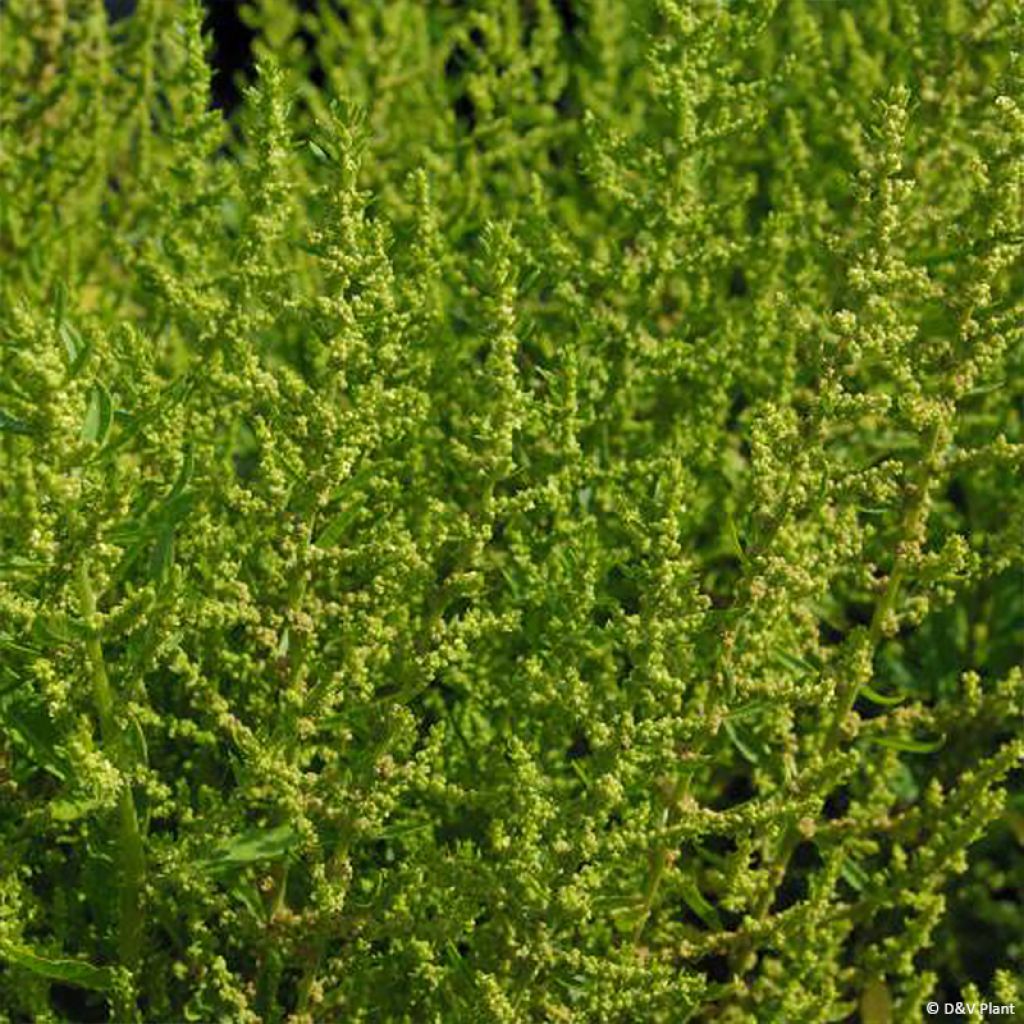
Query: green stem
[910,526]
[660,857]
[850,687]
[130,848]
[316,956]
[102,694]
[271,962]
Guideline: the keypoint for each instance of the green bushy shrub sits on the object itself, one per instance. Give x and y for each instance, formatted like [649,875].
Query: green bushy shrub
[520,523]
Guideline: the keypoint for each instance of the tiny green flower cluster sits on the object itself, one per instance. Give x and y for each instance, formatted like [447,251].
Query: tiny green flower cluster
[522,522]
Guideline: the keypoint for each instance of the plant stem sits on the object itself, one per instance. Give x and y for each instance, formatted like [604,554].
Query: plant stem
[660,856]
[320,941]
[131,852]
[911,525]
[271,961]
[850,686]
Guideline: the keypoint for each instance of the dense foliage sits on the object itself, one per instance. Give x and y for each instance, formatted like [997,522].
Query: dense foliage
[520,523]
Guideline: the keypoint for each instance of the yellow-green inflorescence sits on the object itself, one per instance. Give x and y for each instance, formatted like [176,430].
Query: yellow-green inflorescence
[522,522]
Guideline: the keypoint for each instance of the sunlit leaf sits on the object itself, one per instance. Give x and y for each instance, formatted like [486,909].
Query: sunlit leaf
[908,745]
[871,694]
[99,415]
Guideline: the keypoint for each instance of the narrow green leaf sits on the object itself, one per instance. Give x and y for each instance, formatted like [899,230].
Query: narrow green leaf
[69,972]
[184,478]
[245,891]
[99,415]
[124,533]
[284,643]
[162,557]
[742,747]
[12,425]
[176,508]
[908,745]
[695,900]
[880,698]
[60,303]
[581,772]
[32,731]
[75,348]
[734,537]
[356,480]
[12,646]
[840,1013]
[20,562]
[855,876]
[986,389]
[319,152]
[54,628]
[135,741]
[336,527]
[903,784]
[792,663]
[11,681]
[249,847]
[748,710]
[626,918]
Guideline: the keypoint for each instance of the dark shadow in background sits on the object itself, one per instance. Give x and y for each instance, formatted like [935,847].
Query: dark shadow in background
[231,56]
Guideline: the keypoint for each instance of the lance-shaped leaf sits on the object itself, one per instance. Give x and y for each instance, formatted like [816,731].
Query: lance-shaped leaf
[68,972]
[99,415]
[249,847]
[12,425]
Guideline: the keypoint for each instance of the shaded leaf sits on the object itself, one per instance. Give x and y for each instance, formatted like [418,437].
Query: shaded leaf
[184,478]
[33,732]
[695,900]
[12,646]
[12,425]
[876,1003]
[748,710]
[626,918]
[175,508]
[135,740]
[57,628]
[252,846]
[740,745]
[336,527]
[798,666]
[69,972]
[162,556]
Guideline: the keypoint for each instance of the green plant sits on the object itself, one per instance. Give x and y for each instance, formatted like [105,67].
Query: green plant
[526,530]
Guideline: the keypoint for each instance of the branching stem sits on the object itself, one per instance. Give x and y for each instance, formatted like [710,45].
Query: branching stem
[130,847]
[850,686]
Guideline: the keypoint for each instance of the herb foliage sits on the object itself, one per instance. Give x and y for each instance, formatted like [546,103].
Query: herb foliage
[523,523]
